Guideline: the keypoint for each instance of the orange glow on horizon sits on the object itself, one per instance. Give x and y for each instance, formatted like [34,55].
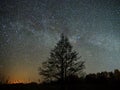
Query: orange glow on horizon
[22,75]
[19,76]
[16,81]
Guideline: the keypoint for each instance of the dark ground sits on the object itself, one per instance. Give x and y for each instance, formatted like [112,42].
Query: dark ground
[54,86]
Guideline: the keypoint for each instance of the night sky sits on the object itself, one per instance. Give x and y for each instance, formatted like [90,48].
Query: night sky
[29,29]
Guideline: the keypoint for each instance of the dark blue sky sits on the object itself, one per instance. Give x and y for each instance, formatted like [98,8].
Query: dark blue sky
[29,29]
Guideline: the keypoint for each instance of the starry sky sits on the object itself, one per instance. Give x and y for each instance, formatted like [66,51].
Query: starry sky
[29,29]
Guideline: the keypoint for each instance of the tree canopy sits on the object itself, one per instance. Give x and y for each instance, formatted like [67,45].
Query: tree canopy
[62,62]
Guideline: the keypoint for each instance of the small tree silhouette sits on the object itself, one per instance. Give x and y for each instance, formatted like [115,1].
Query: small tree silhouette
[62,63]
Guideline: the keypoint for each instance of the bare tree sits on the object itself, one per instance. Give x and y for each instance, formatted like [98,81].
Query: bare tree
[3,79]
[63,62]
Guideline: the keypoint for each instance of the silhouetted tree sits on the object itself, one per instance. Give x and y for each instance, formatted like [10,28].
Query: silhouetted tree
[63,62]
[111,75]
[91,78]
[117,74]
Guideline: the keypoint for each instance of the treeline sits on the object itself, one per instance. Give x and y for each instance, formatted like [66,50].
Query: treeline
[100,77]
[92,78]
[104,77]
[99,81]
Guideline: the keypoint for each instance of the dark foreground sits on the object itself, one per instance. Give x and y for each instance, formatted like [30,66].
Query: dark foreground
[53,86]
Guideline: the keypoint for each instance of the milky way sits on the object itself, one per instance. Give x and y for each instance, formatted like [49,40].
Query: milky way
[29,29]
